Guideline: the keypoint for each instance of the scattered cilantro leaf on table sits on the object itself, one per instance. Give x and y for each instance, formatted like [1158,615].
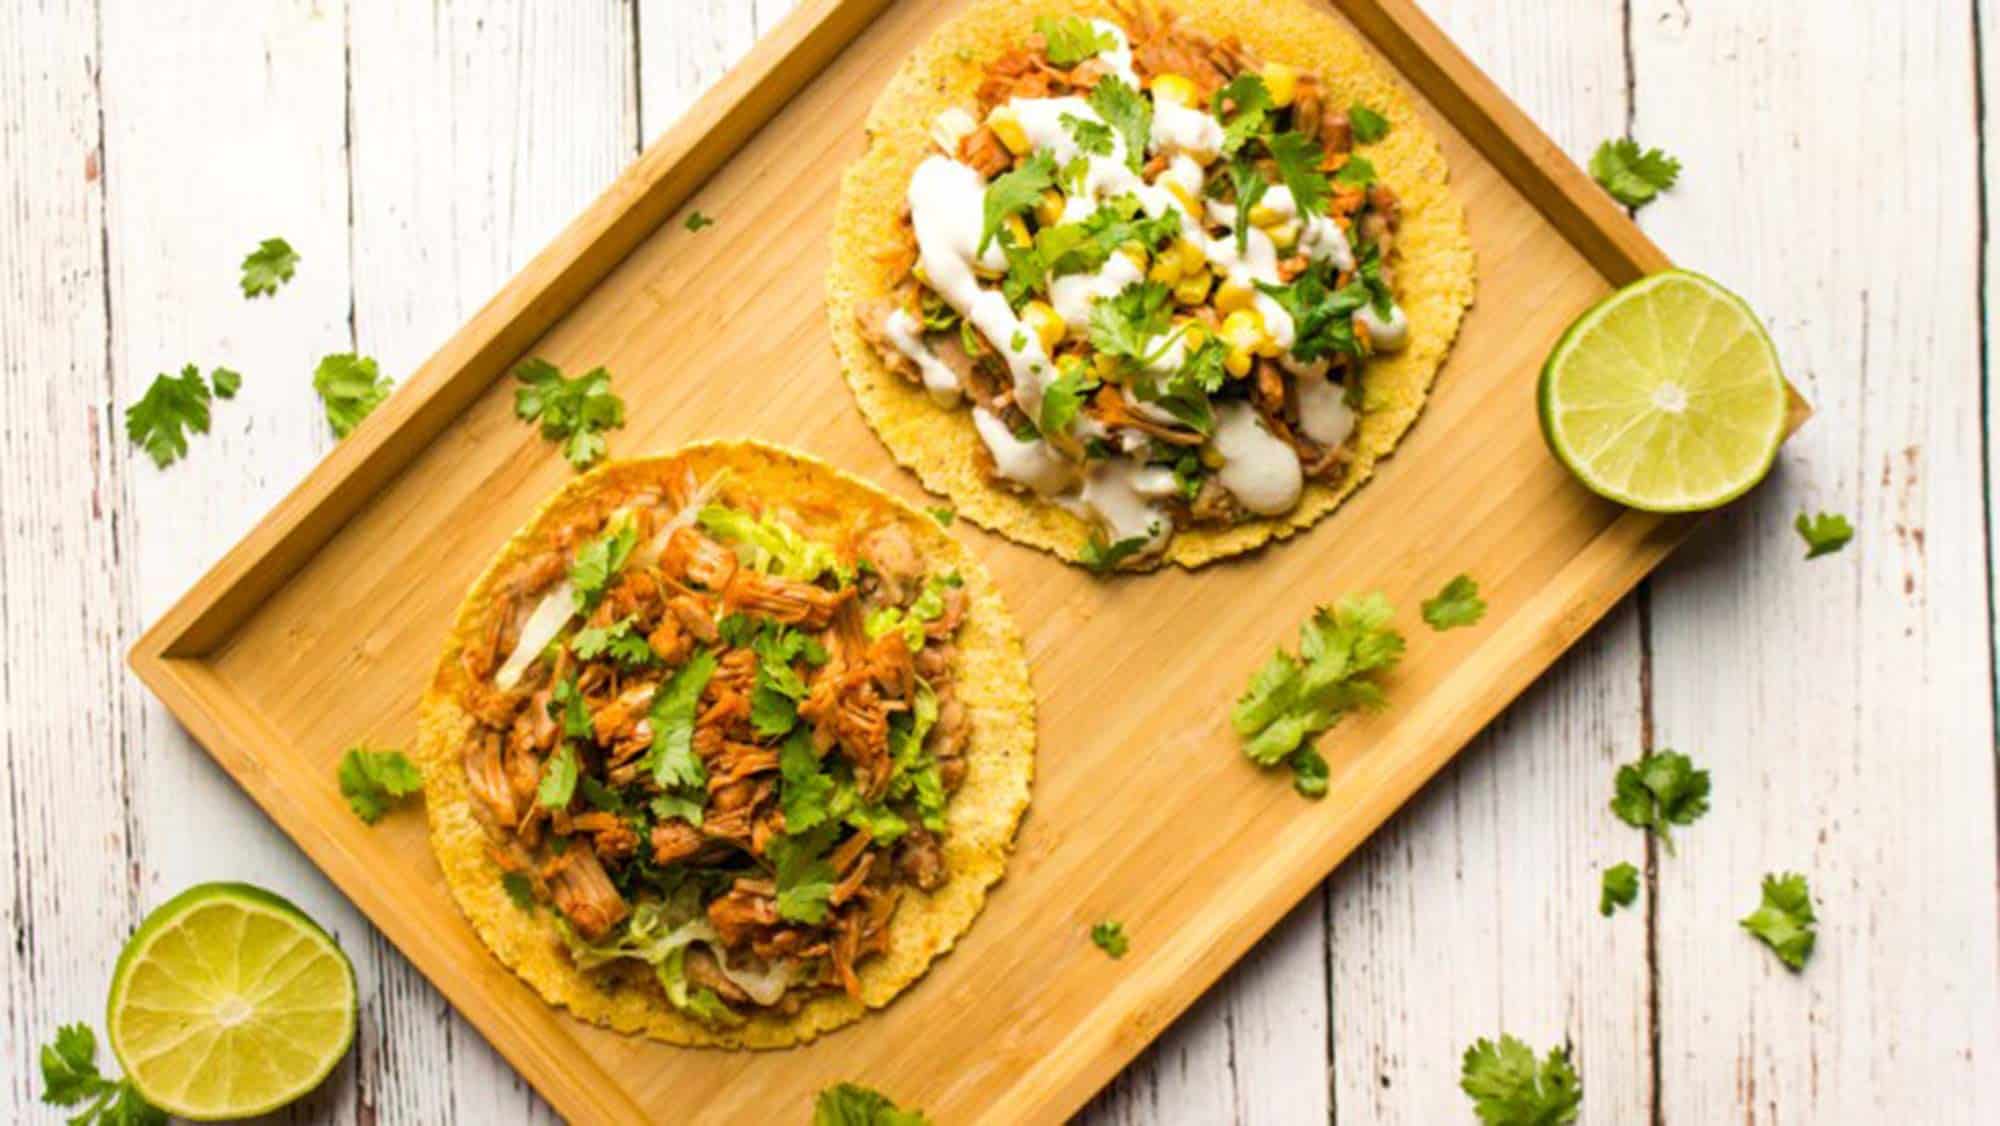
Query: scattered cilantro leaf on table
[696,221]
[1109,936]
[575,412]
[1659,790]
[851,1104]
[1458,604]
[268,267]
[351,387]
[1071,39]
[1621,888]
[70,1079]
[1824,534]
[226,382]
[1784,921]
[371,781]
[1631,176]
[1343,651]
[171,407]
[1367,126]
[1508,1088]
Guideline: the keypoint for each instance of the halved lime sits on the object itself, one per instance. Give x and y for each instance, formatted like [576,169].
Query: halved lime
[1666,396]
[228,1002]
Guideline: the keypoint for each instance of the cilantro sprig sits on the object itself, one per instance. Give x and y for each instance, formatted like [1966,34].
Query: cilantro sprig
[1784,920]
[1621,888]
[351,387]
[70,1079]
[1013,192]
[575,412]
[1071,39]
[173,406]
[1660,790]
[851,1104]
[1367,126]
[1633,176]
[1458,604]
[1508,1087]
[373,781]
[1129,114]
[1824,534]
[267,267]
[1109,936]
[1343,652]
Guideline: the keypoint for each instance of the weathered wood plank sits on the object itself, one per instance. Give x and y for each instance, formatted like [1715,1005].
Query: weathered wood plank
[1475,910]
[480,127]
[1843,704]
[68,891]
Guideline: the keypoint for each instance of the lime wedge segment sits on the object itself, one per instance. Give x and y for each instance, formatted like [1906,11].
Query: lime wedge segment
[1666,396]
[229,1002]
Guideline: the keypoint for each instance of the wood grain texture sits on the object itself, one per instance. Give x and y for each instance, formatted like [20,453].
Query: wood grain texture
[1848,724]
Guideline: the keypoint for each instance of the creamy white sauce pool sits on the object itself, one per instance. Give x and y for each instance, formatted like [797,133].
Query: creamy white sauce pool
[1261,471]
[907,334]
[1323,411]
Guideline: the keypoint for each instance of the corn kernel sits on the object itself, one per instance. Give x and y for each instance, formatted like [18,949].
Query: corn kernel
[1007,126]
[1193,333]
[1236,363]
[1106,365]
[1175,88]
[1166,270]
[1192,256]
[1283,83]
[1192,289]
[1284,236]
[1017,227]
[1047,324]
[1242,329]
[1233,295]
[1264,215]
[1049,208]
[1136,251]
[1187,198]
[1072,366]
[1267,346]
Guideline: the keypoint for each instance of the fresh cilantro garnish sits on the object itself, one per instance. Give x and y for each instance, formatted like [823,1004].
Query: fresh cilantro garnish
[371,781]
[575,412]
[350,387]
[1126,325]
[1250,186]
[1509,1089]
[619,640]
[671,761]
[805,881]
[1093,137]
[1184,392]
[944,514]
[774,702]
[1063,397]
[1014,192]
[70,1079]
[1103,557]
[599,796]
[1343,652]
[1458,604]
[596,562]
[696,221]
[566,706]
[1358,172]
[666,807]
[1310,773]
[917,775]
[1633,177]
[1072,39]
[519,888]
[852,1105]
[1660,789]
[1322,316]
[1621,887]
[1189,473]
[938,316]
[173,405]
[1109,936]
[1124,110]
[225,382]
[1298,157]
[803,788]
[926,608]
[1824,534]
[1244,107]
[1784,921]
[1366,125]
[268,266]
[558,783]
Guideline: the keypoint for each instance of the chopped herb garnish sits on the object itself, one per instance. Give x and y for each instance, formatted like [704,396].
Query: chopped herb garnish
[696,221]
[372,781]
[1621,887]
[1244,107]
[1660,789]
[558,785]
[1458,604]
[597,562]
[1064,397]
[1631,176]
[1358,172]
[1014,192]
[1367,126]
[1071,39]
[1103,557]
[804,790]
[351,388]
[619,640]
[1109,936]
[575,412]
[1784,921]
[1125,111]
[1093,137]
[671,761]
[1824,534]
[805,880]
[519,888]
[268,267]
[225,382]
[852,1105]
[171,407]
[1343,652]
[1322,316]
[1508,1088]
[1128,324]
[70,1079]
[1250,186]
[1298,157]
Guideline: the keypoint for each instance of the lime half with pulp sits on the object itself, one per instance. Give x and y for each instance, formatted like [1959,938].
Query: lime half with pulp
[229,1002]
[1666,396]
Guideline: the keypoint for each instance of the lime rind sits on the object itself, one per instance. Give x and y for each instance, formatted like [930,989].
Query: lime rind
[228,1002]
[1676,334]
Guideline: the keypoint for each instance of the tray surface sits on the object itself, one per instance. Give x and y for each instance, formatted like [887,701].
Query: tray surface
[320,630]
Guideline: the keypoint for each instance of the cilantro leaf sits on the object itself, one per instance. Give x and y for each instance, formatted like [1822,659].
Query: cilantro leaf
[671,760]
[1310,773]
[371,781]
[1064,397]
[268,267]
[1322,316]
[1250,187]
[1784,921]
[1343,650]
[620,641]
[1824,534]
[70,1078]
[1072,39]
[1103,557]
[1658,790]
[1109,936]
[696,221]
[852,1105]
[1013,192]
[519,888]
[1508,1088]
[1126,325]
[575,412]
[774,700]
[1093,137]
[173,405]
[1244,107]
[1357,172]
[595,563]
[226,382]
[350,387]
[1458,604]
[1298,157]
[1633,177]
[803,788]
[1621,887]
[1367,126]
[1184,392]
[805,880]
[1124,110]
[558,785]
[944,514]
[566,705]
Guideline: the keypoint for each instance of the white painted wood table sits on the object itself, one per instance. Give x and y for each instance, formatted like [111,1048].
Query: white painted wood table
[418,153]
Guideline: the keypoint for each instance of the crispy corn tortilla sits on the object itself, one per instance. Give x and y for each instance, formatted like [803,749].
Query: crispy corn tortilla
[1433,260]
[992,681]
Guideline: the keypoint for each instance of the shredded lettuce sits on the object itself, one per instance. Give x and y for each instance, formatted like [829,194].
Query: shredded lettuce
[772,546]
[928,607]
[659,933]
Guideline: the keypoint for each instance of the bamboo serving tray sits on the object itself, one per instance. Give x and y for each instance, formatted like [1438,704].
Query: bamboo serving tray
[319,630]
